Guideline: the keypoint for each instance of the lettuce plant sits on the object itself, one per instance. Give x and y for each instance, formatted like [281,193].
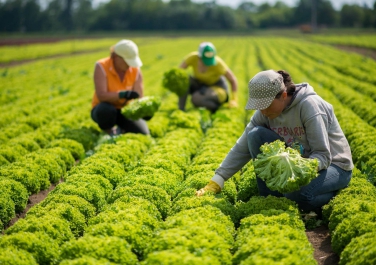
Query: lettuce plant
[12,255]
[272,244]
[113,249]
[65,211]
[86,260]
[207,218]
[198,241]
[16,191]
[91,192]
[283,168]
[156,195]
[77,149]
[44,249]
[7,209]
[142,107]
[86,208]
[176,80]
[352,227]
[56,228]
[179,255]
[360,250]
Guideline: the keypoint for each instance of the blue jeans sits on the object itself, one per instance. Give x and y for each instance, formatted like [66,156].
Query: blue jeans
[315,194]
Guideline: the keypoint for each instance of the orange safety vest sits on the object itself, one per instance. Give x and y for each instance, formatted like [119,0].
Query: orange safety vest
[114,84]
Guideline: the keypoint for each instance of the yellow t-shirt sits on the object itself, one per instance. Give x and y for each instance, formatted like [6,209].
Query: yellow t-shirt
[113,81]
[212,74]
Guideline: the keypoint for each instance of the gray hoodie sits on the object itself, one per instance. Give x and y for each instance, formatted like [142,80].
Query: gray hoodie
[308,120]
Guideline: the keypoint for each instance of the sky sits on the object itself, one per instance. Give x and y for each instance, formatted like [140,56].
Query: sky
[337,4]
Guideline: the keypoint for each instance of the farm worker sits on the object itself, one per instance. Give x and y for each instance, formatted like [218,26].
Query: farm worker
[207,86]
[117,80]
[295,114]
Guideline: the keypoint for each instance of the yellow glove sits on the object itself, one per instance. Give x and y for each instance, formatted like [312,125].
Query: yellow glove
[234,99]
[212,186]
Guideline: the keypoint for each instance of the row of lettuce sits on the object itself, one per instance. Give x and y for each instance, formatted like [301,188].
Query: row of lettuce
[133,199]
[73,45]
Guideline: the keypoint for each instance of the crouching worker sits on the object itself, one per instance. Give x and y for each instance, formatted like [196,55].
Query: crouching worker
[295,114]
[117,80]
[207,85]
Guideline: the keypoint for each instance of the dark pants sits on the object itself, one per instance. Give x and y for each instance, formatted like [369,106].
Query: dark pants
[107,116]
[195,85]
[203,95]
[315,194]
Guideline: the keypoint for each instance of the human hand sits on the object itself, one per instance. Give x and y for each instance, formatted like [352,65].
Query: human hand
[212,186]
[233,104]
[128,94]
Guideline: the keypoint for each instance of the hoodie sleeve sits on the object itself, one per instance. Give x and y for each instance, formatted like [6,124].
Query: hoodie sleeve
[239,154]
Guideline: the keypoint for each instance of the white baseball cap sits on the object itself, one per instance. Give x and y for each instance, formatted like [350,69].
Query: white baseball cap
[128,50]
[263,88]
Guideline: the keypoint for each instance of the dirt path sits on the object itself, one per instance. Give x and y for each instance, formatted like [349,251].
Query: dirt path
[321,242]
[363,51]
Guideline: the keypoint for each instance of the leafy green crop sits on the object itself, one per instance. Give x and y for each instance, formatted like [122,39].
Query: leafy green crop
[56,228]
[44,249]
[114,249]
[12,255]
[274,244]
[87,260]
[87,209]
[153,194]
[16,191]
[7,210]
[179,255]
[256,204]
[77,149]
[284,169]
[356,225]
[201,242]
[207,218]
[176,80]
[65,211]
[141,108]
[360,250]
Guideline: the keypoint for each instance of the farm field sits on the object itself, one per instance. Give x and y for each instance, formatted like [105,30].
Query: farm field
[131,199]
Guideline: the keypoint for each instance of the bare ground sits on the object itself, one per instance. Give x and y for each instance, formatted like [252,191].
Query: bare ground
[321,242]
[363,51]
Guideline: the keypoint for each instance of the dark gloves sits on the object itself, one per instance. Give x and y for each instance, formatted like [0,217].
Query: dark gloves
[147,118]
[128,94]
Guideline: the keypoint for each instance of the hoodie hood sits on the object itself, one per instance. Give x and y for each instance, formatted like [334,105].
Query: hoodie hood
[302,91]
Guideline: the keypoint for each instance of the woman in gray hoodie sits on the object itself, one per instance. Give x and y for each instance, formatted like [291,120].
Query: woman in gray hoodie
[295,114]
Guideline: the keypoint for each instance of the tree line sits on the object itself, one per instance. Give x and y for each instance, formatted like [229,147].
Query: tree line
[118,15]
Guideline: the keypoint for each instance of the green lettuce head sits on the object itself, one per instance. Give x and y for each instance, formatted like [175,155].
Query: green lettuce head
[283,169]
[141,108]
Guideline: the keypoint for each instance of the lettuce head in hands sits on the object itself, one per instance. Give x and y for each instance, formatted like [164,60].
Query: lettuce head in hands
[282,168]
[176,80]
[141,108]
